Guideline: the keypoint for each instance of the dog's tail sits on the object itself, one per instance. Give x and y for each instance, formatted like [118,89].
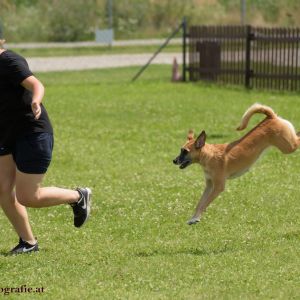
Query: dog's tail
[256,108]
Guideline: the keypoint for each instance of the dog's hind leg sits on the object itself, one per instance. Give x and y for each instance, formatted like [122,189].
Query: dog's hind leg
[212,190]
[286,139]
[287,146]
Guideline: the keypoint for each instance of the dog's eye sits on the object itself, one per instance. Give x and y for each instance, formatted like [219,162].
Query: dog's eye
[184,151]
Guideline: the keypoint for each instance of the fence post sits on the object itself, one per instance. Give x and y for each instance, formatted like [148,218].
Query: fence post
[248,56]
[184,36]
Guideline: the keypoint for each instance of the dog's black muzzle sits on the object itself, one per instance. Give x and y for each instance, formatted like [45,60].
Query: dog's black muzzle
[183,159]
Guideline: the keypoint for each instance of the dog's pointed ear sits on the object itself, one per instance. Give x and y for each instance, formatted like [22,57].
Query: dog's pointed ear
[190,135]
[200,141]
[190,140]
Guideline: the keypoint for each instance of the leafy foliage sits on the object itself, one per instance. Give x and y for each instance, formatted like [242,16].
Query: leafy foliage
[69,20]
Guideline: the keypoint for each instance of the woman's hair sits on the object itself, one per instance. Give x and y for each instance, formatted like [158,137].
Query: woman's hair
[2,42]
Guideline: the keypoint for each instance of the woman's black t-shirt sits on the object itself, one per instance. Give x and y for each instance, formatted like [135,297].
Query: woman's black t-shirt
[16,116]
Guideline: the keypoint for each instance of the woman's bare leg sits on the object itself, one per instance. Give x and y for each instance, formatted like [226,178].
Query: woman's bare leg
[15,212]
[31,194]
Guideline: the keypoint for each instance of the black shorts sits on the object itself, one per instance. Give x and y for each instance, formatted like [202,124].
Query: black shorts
[32,152]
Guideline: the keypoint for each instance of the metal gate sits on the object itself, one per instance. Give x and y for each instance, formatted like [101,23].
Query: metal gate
[255,57]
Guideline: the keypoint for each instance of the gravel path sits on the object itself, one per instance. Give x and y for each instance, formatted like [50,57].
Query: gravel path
[46,64]
[118,43]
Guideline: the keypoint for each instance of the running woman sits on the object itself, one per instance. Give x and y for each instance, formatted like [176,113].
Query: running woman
[26,144]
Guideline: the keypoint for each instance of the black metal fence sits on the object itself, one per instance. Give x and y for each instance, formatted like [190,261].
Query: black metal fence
[266,58]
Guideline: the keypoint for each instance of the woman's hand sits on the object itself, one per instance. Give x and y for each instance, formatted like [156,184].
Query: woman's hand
[36,109]
[32,84]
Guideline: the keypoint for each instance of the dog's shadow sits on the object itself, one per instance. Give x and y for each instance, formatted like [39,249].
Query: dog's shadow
[228,248]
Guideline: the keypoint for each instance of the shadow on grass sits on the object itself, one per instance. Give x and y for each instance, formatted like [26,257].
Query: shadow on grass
[292,235]
[194,251]
[218,135]
[4,253]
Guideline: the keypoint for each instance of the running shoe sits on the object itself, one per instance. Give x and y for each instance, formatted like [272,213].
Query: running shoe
[24,247]
[82,207]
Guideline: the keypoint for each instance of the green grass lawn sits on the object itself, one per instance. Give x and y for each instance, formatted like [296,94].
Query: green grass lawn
[119,138]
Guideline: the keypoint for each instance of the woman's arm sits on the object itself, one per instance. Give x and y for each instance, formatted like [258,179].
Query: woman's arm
[32,84]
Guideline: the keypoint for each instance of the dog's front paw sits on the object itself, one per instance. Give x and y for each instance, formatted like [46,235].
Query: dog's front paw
[193,221]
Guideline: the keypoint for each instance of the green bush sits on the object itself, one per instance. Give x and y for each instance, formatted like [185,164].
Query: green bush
[20,26]
[69,20]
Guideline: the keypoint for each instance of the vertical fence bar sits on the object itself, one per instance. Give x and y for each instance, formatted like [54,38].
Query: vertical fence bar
[272,57]
[216,41]
[288,59]
[265,61]
[200,37]
[198,34]
[242,56]
[261,62]
[233,62]
[267,54]
[238,54]
[191,52]
[276,59]
[227,43]
[297,58]
[230,39]
[281,59]
[256,59]
[184,36]
[248,54]
[295,54]
[285,74]
[256,65]
[292,60]
[266,58]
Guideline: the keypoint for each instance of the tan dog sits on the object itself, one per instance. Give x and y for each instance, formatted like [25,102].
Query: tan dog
[226,161]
